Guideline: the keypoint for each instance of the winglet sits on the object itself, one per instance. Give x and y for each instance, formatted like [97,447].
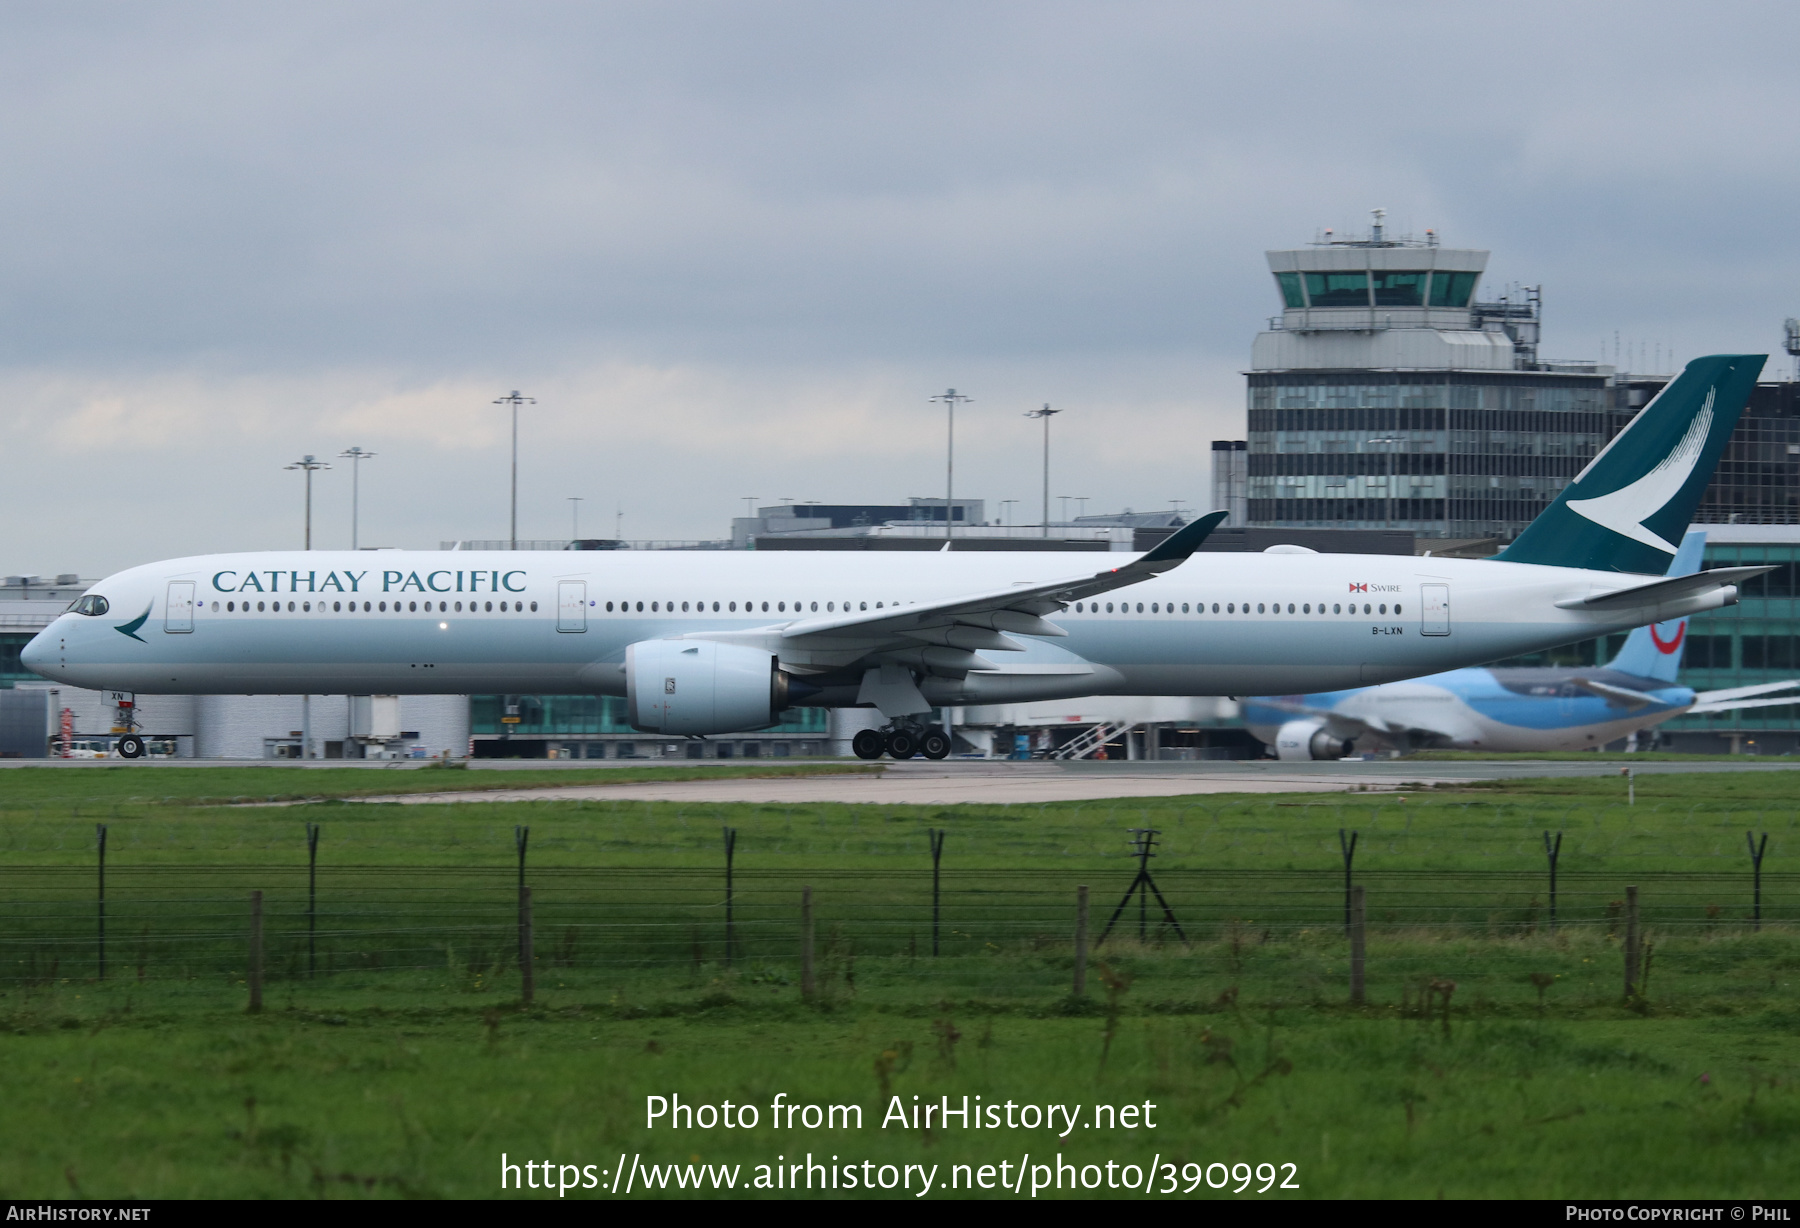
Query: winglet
[1184,541]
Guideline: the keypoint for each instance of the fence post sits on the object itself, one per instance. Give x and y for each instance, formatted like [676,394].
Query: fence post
[100,898]
[937,851]
[1358,947]
[806,943]
[1081,935]
[1553,851]
[527,984]
[1756,859]
[255,977]
[1631,942]
[730,848]
[312,899]
[1349,848]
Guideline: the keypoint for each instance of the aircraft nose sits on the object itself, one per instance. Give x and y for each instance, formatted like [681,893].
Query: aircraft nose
[40,655]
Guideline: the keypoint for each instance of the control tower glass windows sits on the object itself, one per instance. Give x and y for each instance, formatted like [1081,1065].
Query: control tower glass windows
[1452,289]
[1290,290]
[1399,289]
[1338,289]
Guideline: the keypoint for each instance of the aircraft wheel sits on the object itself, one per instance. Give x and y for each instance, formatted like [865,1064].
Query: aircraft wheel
[902,744]
[131,746]
[935,744]
[868,744]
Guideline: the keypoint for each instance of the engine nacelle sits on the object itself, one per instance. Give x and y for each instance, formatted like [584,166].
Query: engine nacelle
[697,686]
[1305,739]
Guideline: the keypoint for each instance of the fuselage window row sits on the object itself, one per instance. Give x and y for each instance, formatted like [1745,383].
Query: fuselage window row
[1231,607]
[377,607]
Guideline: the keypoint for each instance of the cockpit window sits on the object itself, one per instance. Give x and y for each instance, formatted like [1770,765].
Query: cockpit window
[93,605]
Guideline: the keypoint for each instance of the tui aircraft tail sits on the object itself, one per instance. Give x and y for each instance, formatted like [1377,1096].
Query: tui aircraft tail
[1655,651]
[1625,511]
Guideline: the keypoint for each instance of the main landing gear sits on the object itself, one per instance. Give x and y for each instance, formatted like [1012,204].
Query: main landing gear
[902,742]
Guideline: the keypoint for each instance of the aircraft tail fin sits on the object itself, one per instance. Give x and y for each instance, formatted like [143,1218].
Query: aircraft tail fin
[1655,651]
[1628,507]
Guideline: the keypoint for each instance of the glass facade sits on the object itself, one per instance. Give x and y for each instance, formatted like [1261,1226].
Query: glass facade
[1457,454]
[11,644]
[1381,288]
[577,716]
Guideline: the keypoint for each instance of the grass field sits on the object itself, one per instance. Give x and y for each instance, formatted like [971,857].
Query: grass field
[408,1064]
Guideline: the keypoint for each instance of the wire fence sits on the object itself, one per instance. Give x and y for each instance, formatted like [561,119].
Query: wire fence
[1008,932]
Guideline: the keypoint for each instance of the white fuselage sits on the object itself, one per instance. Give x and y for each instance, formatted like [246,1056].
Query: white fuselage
[402,622]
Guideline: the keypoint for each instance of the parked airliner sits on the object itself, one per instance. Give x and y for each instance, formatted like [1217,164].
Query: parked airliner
[704,642]
[1528,709]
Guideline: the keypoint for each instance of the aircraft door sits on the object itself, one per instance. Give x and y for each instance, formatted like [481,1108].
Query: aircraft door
[571,605]
[1434,609]
[178,614]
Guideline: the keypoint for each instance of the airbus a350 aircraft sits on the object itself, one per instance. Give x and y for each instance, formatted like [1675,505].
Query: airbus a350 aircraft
[704,643]
[1535,709]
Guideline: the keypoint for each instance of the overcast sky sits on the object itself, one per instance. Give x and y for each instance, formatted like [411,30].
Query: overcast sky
[732,249]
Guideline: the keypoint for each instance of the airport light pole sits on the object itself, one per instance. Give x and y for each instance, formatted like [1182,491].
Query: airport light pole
[515,400]
[1046,414]
[950,398]
[356,457]
[575,517]
[309,464]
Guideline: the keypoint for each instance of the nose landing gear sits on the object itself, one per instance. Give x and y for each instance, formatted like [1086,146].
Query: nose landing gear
[902,741]
[131,746]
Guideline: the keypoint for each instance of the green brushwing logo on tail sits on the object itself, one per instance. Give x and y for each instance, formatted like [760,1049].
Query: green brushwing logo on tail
[1630,507]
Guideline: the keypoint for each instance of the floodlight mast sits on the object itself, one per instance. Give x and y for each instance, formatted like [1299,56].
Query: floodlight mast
[308,464]
[515,400]
[950,399]
[1046,413]
[356,456]
[1792,328]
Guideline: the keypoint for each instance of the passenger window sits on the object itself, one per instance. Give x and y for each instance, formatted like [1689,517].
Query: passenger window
[1153,608]
[1215,607]
[1230,607]
[215,607]
[815,607]
[1396,609]
[715,607]
[878,605]
[1384,607]
[231,607]
[1366,609]
[830,606]
[781,607]
[863,606]
[259,607]
[534,607]
[1259,607]
[490,607]
[1109,607]
[1306,609]
[1290,607]
[1337,609]
[765,607]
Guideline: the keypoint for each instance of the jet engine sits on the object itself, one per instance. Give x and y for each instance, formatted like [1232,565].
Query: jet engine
[1303,739]
[697,686]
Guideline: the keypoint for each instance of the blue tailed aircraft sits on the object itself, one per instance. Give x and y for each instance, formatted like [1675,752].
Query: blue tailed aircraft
[1531,709]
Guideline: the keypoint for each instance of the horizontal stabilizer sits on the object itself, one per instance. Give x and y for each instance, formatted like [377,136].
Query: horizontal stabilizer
[1662,592]
[1735,705]
[1745,692]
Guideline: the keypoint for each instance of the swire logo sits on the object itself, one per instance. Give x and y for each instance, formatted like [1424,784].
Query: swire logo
[1359,588]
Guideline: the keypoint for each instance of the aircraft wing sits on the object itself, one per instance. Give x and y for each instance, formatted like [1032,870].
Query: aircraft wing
[1744,692]
[1735,704]
[1614,694]
[1345,724]
[946,636]
[1659,591]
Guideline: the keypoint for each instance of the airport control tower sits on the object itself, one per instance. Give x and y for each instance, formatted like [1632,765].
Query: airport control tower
[1387,395]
